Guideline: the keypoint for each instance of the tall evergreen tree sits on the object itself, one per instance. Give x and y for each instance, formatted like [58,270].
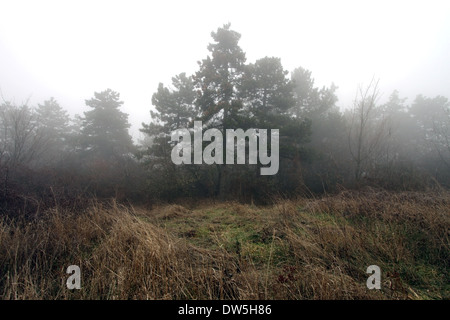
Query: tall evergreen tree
[266,90]
[217,83]
[432,120]
[105,128]
[311,102]
[218,80]
[53,122]
[106,146]
[268,96]
[174,109]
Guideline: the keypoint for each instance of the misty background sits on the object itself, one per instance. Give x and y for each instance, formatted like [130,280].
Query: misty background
[90,92]
[70,49]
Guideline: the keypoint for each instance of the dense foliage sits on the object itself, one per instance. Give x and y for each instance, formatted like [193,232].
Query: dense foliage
[396,145]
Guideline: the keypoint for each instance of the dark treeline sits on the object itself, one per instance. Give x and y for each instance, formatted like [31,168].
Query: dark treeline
[45,155]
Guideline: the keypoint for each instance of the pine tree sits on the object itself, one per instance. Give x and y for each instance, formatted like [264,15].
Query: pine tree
[267,92]
[53,122]
[104,129]
[219,78]
[174,109]
[218,82]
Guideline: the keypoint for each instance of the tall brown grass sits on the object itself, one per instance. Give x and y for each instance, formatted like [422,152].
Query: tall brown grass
[309,249]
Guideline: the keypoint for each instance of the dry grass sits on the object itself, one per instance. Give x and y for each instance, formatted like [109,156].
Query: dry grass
[304,249]
[120,256]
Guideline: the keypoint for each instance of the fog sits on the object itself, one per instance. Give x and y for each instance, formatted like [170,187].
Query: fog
[71,49]
[233,150]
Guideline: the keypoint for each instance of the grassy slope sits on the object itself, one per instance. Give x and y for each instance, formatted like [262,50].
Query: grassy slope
[303,249]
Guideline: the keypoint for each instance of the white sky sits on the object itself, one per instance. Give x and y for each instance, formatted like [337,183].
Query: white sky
[69,49]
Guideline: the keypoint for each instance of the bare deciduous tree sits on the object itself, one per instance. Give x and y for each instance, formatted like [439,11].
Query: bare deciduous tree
[367,129]
[21,142]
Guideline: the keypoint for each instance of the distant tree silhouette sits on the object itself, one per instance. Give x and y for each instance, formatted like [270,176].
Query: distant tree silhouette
[104,131]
